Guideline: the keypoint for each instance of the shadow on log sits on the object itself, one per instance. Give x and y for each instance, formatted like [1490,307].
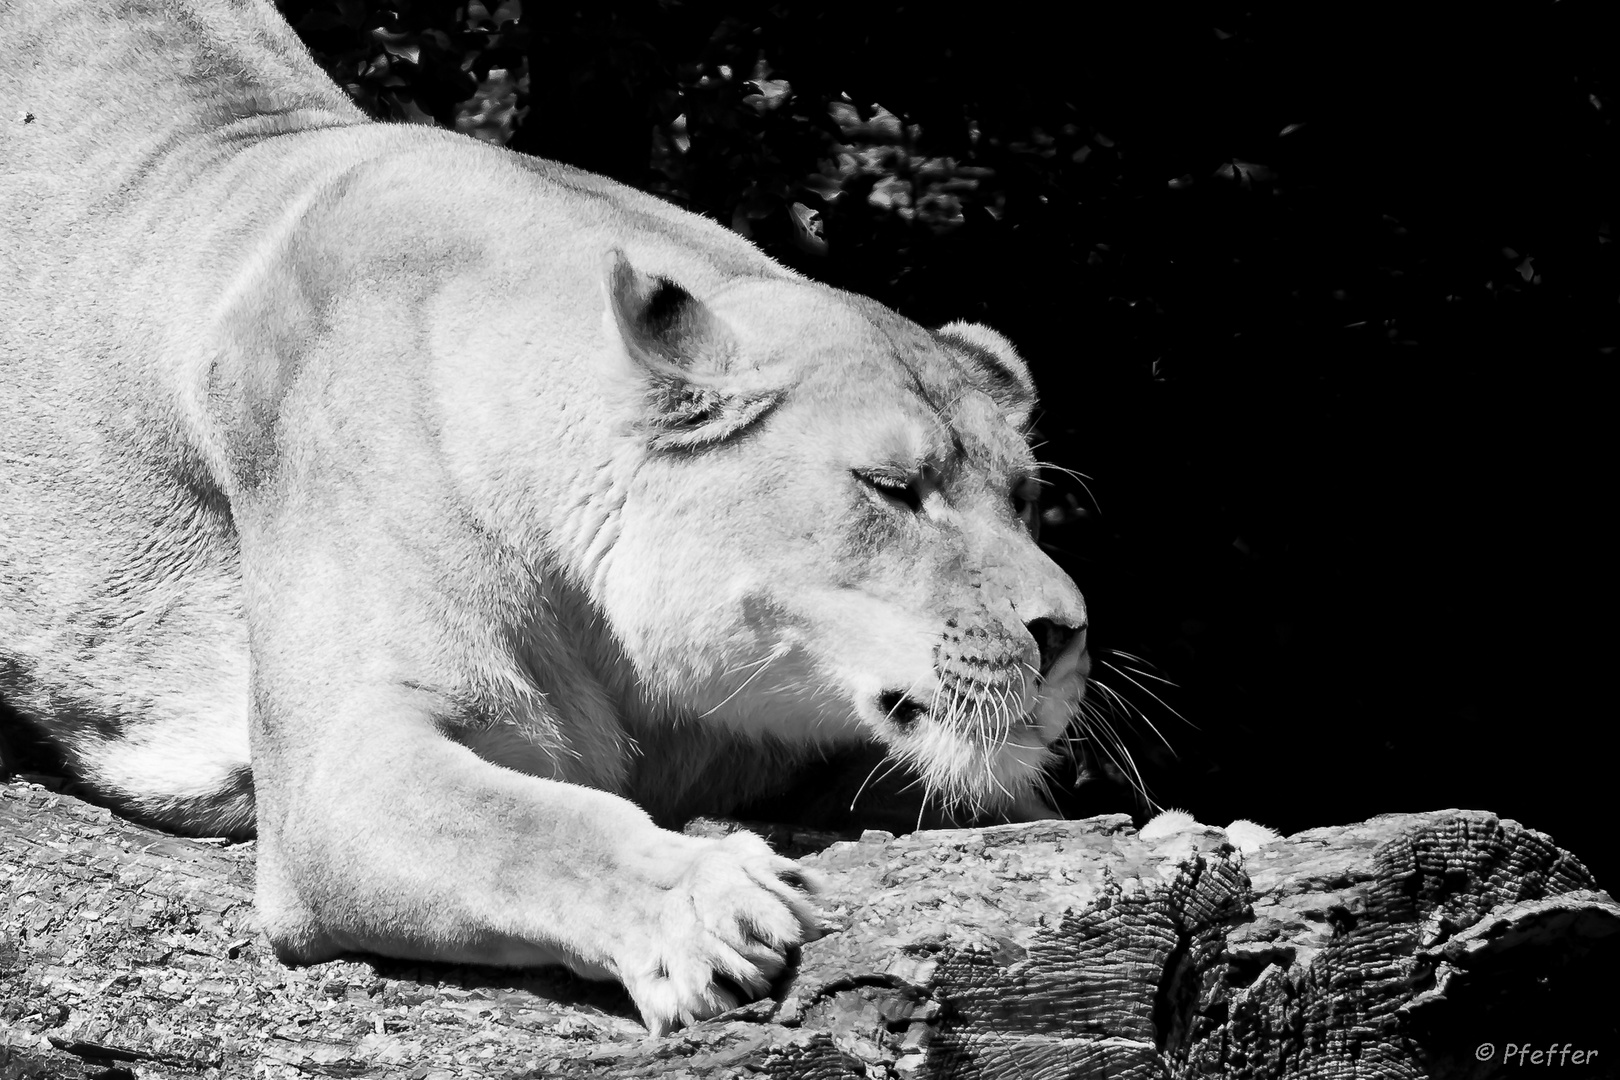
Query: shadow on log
[1400,947]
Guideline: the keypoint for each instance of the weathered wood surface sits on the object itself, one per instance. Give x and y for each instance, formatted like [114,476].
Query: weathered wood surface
[1391,948]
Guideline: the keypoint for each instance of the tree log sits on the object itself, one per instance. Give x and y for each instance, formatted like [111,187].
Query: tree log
[1392,948]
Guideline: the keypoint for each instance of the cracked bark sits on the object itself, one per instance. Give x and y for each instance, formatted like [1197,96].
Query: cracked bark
[1391,948]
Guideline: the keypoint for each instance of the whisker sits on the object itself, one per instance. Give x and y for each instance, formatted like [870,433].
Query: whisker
[892,763]
[1120,706]
[1125,668]
[1007,712]
[1135,660]
[1151,694]
[1054,467]
[1065,744]
[1078,477]
[1131,714]
[1110,695]
[917,778]
[775,654]
[1101,733]
[1132,657]
[1116,752]
[767,658]
[1001,787]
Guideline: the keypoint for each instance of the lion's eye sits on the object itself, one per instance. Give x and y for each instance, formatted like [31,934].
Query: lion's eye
[899,491]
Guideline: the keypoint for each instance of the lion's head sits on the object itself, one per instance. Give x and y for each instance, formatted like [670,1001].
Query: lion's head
[827,532]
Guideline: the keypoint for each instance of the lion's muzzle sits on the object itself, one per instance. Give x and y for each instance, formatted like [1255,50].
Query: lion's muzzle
[991,682]
[1002,696]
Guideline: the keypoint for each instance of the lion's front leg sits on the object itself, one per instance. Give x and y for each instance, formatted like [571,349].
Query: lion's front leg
[391,839]
[380,833]
[377,627]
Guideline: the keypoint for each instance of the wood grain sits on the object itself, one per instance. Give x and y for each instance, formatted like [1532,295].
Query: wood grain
[1389,948]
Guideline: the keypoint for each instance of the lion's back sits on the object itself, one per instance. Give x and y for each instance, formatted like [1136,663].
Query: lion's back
[107,72]
[119,590]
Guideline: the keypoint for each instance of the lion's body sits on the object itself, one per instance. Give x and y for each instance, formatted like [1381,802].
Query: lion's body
[391,492]
[159,709]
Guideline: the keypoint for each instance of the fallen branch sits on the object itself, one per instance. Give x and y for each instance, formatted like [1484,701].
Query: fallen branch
[1390,948]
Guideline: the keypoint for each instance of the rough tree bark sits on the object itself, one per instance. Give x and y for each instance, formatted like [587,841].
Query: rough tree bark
[1392,948]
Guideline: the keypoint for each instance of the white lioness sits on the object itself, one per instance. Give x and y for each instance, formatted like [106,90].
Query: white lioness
[425,508]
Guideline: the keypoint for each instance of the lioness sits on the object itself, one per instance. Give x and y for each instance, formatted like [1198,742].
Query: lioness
[428,539]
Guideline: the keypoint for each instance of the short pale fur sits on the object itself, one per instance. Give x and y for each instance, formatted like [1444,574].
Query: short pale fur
[425,508]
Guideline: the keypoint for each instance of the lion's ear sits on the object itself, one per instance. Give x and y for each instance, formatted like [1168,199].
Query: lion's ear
[685,359]
[996,365]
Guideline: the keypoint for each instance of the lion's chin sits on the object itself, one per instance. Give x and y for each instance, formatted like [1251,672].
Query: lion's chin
[975,774]
[981,756]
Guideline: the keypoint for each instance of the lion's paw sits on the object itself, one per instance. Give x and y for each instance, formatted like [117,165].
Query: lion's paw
[722,932]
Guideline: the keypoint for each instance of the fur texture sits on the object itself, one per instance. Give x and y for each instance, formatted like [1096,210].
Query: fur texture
[425,508]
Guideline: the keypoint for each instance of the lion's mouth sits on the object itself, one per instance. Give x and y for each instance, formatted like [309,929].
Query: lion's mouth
[1064,666]
[981,738]
[903,712]
[901,709]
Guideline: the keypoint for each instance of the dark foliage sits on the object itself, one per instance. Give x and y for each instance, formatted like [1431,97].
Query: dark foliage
[1319,303]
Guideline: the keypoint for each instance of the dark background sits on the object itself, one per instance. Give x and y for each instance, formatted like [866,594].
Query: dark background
[1321,305]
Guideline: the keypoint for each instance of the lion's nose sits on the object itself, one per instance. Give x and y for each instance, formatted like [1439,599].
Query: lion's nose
[1053,638]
